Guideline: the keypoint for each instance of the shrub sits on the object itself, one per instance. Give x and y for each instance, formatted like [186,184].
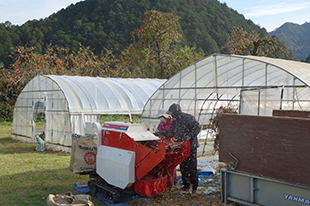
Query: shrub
[214,122]
[6,112]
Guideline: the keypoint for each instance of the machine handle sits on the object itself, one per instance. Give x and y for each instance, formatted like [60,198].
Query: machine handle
[171,148]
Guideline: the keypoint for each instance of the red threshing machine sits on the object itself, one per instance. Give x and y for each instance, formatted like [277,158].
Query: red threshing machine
[129,157]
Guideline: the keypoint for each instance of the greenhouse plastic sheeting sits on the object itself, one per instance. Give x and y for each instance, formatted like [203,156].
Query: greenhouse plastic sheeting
[252,85]
[67,102]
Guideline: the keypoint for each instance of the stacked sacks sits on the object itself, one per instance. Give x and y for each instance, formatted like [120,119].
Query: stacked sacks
[83,153]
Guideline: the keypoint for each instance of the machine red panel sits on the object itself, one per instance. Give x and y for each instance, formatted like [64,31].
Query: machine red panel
[118,140]
[175,156]
[152,187]
[150,161]
[141,152]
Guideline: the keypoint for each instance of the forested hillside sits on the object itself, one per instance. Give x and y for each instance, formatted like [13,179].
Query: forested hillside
[108,24]
[296,37]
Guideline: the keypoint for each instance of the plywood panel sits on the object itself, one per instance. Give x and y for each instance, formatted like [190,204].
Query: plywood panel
[291,113]
[275,147]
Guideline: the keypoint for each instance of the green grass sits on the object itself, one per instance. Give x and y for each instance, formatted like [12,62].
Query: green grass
[120,118]
[27,176]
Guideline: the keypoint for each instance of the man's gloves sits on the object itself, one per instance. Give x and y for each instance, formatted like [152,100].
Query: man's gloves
[159,133]
[180,139]
[186,138]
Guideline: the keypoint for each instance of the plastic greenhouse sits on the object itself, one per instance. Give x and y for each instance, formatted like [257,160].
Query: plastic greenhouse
[68,102]
[252,85]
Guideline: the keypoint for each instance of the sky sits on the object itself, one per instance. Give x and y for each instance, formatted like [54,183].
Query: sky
[269,14]
[272,14]
[19,12]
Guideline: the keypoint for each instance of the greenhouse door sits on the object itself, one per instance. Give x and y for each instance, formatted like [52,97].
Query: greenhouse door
[261,101]
[39,120]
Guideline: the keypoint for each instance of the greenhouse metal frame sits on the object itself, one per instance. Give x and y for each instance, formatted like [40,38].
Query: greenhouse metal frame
[253,85]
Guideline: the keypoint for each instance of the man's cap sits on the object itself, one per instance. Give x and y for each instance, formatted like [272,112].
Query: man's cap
[174,109]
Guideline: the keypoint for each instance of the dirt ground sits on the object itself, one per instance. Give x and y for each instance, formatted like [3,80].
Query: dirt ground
[208,192]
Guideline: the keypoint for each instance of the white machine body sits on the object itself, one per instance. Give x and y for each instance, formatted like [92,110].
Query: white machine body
[116,166]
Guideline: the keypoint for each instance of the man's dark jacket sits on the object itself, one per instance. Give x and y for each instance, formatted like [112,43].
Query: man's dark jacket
[184,127]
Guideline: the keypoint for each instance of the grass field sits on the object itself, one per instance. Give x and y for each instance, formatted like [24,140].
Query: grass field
[27,176]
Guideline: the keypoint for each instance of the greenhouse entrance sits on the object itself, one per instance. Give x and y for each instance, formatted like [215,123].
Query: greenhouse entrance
[39,120]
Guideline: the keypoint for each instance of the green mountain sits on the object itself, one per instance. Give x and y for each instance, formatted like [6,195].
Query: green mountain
[109,23]
[296,37]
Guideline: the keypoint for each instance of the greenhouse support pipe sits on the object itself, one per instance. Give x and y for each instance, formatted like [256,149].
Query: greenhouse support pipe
[204,146]
[203,105]
[195,107]
[215,75]
[130,119]
[199,118]
[240,104]
[282,90]
[243,72]
[180,83]
[200,115]
[294,93]
[258,106]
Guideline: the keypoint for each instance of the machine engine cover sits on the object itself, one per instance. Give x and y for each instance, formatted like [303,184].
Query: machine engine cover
[116,166]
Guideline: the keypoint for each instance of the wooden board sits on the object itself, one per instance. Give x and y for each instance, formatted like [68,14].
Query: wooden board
[291,113]
[274,147]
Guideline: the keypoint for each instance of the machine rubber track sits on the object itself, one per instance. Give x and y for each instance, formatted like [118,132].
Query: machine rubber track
[105,191]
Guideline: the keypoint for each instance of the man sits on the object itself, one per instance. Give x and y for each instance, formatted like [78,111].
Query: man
[185,126]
